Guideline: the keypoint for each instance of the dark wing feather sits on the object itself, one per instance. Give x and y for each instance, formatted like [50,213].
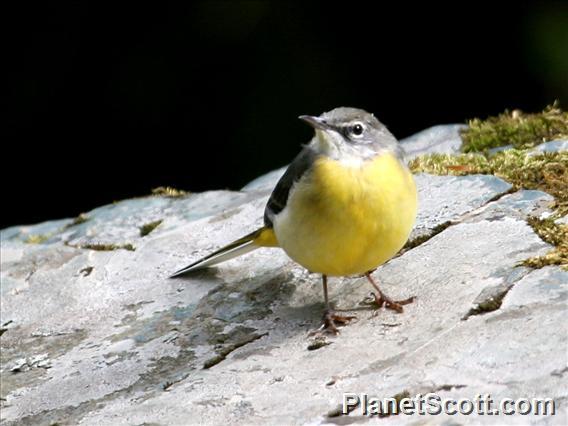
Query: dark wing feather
[295,171]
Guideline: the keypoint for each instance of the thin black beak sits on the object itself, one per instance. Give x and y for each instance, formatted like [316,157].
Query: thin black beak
[315,122]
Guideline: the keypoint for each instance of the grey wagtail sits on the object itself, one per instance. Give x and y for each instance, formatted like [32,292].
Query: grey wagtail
[344,206]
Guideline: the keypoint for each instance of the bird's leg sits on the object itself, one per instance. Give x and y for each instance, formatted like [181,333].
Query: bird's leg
[382,299]
[330,318]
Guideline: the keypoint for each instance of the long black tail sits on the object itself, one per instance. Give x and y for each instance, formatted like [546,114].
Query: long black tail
[236,248]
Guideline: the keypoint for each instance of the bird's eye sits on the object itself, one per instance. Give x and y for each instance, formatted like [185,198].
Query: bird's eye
[357,129]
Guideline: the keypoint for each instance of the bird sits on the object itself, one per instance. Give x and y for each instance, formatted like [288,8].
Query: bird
[344,206]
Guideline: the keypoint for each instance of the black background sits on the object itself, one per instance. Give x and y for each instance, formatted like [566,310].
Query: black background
[109,101]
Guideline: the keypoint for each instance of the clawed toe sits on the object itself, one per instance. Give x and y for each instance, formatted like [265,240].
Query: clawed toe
[331,320]
[381,300]
[396,305]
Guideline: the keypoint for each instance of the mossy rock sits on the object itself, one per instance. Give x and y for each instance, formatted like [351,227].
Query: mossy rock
[516,128]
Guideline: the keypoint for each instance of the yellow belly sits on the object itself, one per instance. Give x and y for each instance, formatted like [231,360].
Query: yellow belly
[348,219]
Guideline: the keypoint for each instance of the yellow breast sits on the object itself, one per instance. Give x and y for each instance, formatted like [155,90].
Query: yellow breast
[347,219]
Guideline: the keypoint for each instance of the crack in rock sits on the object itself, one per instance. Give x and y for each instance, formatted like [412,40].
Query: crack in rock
[489,300]
[422,236]
[225,351]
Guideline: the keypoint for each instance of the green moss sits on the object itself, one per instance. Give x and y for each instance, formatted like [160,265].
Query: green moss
[41,238]
[168,191]
[549,231]
[553,257]
[490,303]
[104,247]
[318,343]
[149,227]
[515,128]
[546,172]
[37,238]
[554,234]
[82,218]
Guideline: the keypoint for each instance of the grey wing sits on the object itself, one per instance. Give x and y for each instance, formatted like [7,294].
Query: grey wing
[295,171]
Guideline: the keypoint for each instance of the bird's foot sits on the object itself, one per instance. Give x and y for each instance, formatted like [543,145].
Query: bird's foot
[380,300]
[330,322]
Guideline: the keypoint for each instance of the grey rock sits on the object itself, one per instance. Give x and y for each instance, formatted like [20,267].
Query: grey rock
[120,222]
[497,149]
[104,337]
[552,146]
[442,139]
[543,286]
[24,232]
[446,198]
[265,182]
[518,205]
[25,364]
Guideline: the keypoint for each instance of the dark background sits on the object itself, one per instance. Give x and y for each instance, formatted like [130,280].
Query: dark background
[109,101]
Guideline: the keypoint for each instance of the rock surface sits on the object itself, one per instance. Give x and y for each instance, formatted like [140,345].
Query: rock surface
[104,337]
[443,139]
